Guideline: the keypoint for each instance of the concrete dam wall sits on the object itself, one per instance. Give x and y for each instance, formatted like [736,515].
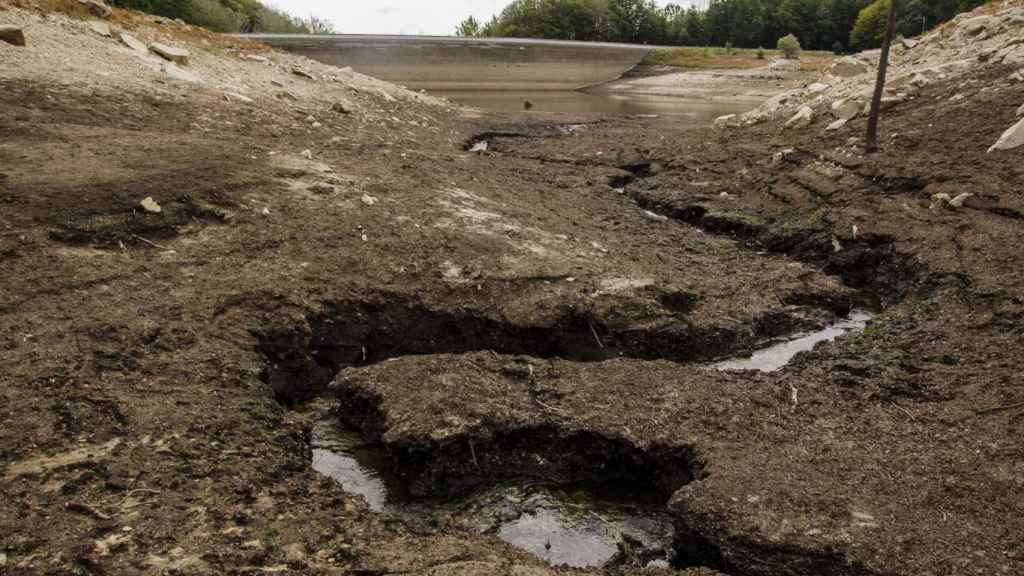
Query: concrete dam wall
[446,63]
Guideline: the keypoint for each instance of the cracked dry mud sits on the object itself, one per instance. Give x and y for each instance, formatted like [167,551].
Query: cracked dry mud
[517,304]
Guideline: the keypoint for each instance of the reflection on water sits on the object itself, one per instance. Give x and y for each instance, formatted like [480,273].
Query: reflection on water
[776,357]
[551,536]
[581,102]
[343,456]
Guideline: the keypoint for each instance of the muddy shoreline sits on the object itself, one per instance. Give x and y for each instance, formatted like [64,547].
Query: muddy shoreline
[544,310]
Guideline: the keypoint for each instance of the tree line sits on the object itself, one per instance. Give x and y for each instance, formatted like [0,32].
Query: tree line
[837,25]
[230,15]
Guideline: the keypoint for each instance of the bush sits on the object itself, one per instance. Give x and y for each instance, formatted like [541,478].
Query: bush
[789,46]
[729,49]
[760,53]
[707,52]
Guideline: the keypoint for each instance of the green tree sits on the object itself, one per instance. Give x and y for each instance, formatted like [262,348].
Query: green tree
[469,27]
[869,30]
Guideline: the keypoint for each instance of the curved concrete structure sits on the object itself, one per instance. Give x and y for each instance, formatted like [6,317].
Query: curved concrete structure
[448,63]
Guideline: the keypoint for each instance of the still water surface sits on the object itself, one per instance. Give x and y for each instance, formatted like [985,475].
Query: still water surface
[582,102]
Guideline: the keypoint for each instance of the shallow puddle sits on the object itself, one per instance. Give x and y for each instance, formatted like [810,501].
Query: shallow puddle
[344,456]
[777,356]
[577,527]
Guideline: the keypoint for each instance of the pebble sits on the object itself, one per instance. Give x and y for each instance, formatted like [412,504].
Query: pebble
[369,200]
[150,205]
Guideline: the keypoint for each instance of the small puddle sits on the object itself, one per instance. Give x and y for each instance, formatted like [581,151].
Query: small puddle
[777,356]
[572,526]
[344,456]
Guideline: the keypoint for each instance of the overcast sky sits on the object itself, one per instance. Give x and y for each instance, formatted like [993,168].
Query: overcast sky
[433,17]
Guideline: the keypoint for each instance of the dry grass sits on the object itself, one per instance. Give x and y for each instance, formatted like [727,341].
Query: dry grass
[737,58]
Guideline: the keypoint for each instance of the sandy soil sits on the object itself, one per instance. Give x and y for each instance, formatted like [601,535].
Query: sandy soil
[552,300]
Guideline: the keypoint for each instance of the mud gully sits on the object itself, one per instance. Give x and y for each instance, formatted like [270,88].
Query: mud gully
[337,327]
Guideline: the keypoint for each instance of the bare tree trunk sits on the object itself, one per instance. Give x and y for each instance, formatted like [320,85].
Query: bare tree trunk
[883,66]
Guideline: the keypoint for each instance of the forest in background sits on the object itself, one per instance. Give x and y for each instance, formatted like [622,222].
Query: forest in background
[836,25]
[230,15]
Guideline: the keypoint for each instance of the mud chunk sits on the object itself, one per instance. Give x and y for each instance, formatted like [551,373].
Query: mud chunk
[1012,138]
[12,35]
[172,53]
[801,118]
[101,28]
[131,42]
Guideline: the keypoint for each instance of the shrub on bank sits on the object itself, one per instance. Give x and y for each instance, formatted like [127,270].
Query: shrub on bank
[789,46]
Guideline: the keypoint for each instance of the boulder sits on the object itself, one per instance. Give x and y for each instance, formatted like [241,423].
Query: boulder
[848,67]
[908,44]
[847,109]
[975,26]
[131,42]
[1012,138]
[801,118]
[172,53]
[101,28]
[12,35]
[96,7]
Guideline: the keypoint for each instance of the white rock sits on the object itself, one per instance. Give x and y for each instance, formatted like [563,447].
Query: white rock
[723,121]
[239,97]
[172,53]
[255,58]
[101,28]
[265,211]
[369,200]
[836,125]
[131,42]
[960,199]
[307,154]
[975,26]
[1012,138]
[818,88]
[1020,111]
[96,7]
[801,118]
[12,35]
[847,110]
[848,67]
[909,44]
[781,155]
[654,217]
[150,205]
[300,72]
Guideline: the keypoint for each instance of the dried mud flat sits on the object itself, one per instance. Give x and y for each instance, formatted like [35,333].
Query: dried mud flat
[542,310]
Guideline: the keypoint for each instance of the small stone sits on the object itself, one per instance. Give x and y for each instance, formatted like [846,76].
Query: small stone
[286,95]
[255,58]
[801,118]
[780,156]
[723,121]
[369,200]
[307,154]
[480,146]
[654,217]
[958,202]
[295,552]
[1017,77]
[836,125]
[265,211]
[957,98]
[1012,138]
[341,108]
[101,28]
[277,83]
[909,44]
[131,42]
[818,88]
[316,125]
[150,205]
[239,97]
[172,53]
[300,72]
[1020,111]
[939,200]
[12,35]
[837,246]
